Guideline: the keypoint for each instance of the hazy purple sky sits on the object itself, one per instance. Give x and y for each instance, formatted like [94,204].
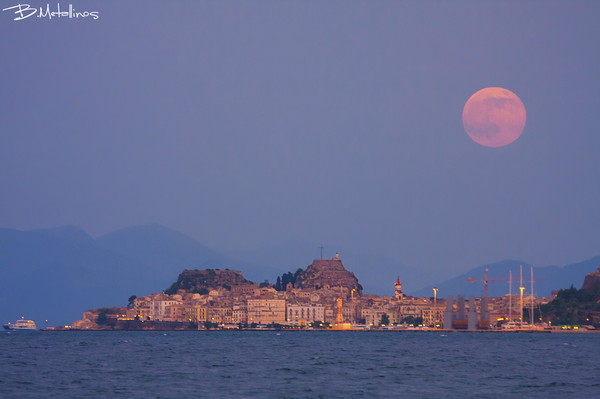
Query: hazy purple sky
[243,124]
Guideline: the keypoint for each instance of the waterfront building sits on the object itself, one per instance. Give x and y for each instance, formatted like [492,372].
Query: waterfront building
[144,312]
[373,315]
[141,308]
[266,310]
[195,313]
[239,313]
[411,310]
[393,314]
[433,316]
[158,308]
[302,314]
[175,312]
[349,314]
[219,314]
[330,312]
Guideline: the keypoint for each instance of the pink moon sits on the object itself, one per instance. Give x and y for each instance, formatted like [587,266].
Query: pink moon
[494,117]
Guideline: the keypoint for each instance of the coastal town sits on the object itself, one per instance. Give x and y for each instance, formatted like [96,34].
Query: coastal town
[324,296]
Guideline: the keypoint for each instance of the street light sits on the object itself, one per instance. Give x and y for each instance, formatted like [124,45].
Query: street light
[521,288]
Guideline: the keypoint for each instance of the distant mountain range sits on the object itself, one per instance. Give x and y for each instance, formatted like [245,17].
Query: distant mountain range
[551,278]
[377,274]
[57,274]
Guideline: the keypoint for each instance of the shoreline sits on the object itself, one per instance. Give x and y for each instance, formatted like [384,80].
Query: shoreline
[350,331]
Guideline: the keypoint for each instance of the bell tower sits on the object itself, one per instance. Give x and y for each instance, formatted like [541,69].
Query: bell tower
[398,290]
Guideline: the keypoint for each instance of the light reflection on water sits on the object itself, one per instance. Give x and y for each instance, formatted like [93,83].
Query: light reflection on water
[298,364]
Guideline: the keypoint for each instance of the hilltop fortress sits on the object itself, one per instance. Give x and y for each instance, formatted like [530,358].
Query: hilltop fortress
[327,273]
[591,283]
[202,281]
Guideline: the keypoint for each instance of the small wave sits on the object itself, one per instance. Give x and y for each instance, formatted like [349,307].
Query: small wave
[559,384]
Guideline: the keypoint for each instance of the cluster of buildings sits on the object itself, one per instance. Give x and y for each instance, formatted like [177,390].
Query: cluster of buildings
[251,304]
[327,295]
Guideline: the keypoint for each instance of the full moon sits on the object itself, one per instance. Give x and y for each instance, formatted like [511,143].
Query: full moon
[494,117]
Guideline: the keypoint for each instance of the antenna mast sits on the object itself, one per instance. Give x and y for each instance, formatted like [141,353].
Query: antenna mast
[510,296]
[532,295]
[521,288]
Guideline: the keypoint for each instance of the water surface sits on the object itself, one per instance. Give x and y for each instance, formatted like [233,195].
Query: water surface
[298,365]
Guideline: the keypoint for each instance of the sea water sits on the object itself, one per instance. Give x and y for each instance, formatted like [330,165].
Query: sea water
[298,365]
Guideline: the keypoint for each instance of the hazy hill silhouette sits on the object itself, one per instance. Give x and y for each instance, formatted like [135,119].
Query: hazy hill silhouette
[57,274]
[167,252]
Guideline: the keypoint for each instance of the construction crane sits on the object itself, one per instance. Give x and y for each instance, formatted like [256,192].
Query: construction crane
[485,284]
[485,280]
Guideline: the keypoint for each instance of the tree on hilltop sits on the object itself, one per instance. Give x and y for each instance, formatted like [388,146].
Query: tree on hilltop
[172,289]
[286,278]
[571,306]
[130,300]
[102,319]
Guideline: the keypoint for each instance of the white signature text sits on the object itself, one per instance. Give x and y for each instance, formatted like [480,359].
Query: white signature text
[23,11]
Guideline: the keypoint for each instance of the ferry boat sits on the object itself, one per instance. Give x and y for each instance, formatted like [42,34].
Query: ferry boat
[20,325]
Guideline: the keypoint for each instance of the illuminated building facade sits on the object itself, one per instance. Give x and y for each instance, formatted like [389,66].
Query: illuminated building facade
[302,314]
[266,311]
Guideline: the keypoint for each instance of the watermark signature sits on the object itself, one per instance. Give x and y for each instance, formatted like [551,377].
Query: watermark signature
[23,11]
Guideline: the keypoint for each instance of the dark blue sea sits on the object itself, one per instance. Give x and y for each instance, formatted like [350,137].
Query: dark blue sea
[298,365]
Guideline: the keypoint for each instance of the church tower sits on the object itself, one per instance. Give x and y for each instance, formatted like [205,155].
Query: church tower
[398,289]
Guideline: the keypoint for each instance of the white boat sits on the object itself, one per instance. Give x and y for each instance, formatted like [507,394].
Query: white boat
[21,325]
[511,325]
[516,325]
